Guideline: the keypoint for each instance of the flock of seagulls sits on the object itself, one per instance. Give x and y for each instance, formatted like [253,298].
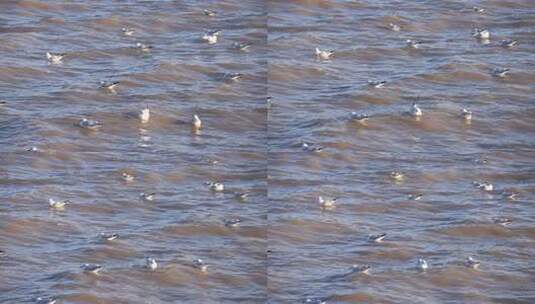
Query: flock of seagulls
[483,35]
[144,116]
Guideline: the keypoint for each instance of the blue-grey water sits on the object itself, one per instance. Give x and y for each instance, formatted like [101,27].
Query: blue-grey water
[287,248]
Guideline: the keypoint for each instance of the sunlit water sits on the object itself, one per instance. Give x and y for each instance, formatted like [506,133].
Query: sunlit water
[287,248]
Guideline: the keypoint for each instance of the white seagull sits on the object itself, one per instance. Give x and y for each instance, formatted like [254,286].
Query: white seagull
[325,54]
[211,36]
[196,122]
[144,114]
[55,58]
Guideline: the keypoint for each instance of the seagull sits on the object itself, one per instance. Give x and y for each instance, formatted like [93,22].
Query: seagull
[485,186]
[143,47]
[325,55]
[89,124]
[481,33]
[394,27]
[147,196]
[127,177]
[33,149]
[215,186]
[2,253]
[232,222]
[314,301]
[232,76]
[150,263]
[502,221]
[58,205]
[241,195]
[209,13]
[471,263]
[211,36]
[396,175]
[312,147]
[358,117]
[55,58]
[365,269]
[144,115]
[50,300]
[377,83]
[110,86]
[91,268]
[377,238]
[199,264]
[416,197]
[508,43]
[413,44]
[196,122]
[326,202]
[500,72]
[422,264]
[109,236]
[242,46]
[478,9]
[415,111]
[466,114]
[127,31]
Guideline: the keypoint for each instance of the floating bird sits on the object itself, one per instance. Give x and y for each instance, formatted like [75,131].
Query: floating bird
[466,114]
[143,47]
[314,301]
[58,205]
[365,269]
[377,238]
[127,177]
[232,222]
[268,101]
[209,13]
[471,263]
[150,263]
[89,124]
[416,197]
[422,264]
[500,72]
[196,122]
[377,83]
[91,268]
[50,300]
[485,186]
[55,58]
[325,55]
[212,161]
[199,264]
[127,31]
[110,86]
[394,27]
[215,186]
[478,9]
[413,44]
[211,36]
[396,175]
[144,115]
[415,111]
[109,236]
[241,195]
[311,147]
[33,149]
[481,33]
[242,46]
[232,76]
[502,221]
[147,196]
[2,253]
[508,43]
[326,202]
[359,117]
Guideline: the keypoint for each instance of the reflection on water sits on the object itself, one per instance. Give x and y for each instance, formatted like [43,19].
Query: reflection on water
[290,247]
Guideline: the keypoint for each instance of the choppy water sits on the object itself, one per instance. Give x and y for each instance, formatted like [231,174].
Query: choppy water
[287,248]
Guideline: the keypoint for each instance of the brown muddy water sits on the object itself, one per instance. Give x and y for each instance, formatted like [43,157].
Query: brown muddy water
[288,248]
